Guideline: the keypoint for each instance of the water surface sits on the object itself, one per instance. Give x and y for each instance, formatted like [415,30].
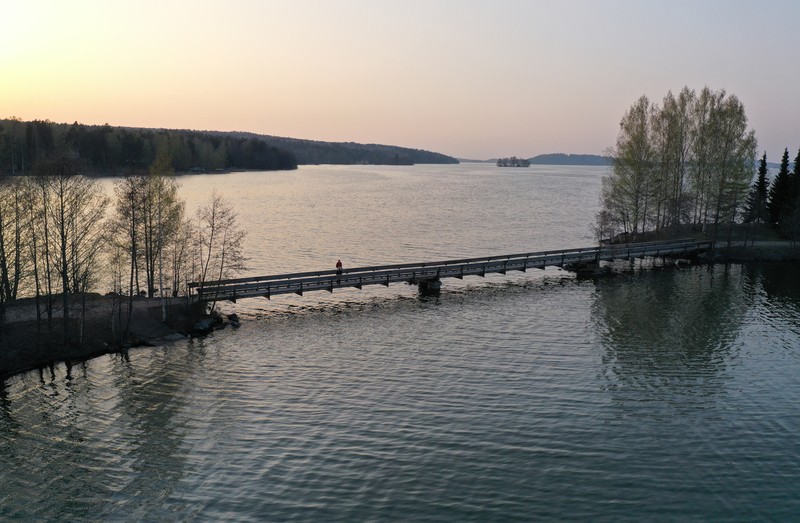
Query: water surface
[664,394]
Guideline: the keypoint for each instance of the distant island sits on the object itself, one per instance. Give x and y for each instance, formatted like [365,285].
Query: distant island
[549,159]
[110,150]
[513,162]
[571,159]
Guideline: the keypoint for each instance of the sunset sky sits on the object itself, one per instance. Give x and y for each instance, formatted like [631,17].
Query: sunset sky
[469,78]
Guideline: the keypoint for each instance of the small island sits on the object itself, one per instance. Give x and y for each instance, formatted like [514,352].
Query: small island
[513,162]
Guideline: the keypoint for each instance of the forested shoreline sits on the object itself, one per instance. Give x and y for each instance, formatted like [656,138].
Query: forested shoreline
[115,151]
[107,150]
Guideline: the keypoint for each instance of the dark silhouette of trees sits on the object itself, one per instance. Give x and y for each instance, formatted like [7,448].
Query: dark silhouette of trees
[780,193]
[795,203]
[757,199]
[107,150]
[252,153]
[14,227]
[784,198]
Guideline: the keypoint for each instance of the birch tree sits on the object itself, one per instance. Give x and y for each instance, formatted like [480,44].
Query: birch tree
[162,216]
[220,240]
[631,177]
[127,221]
[14,229]
[690,160]
[673,127]
[73,208]
[733,160]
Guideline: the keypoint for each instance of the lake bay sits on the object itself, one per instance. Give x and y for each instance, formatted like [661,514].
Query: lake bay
[659,394]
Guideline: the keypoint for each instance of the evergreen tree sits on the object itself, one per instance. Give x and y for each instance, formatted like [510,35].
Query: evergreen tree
[793,207]
[759,193]
[779,192]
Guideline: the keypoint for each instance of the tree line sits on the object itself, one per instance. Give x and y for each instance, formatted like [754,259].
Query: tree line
[103,149]
[350,153]
[689,161]
[107,150]
[62,236]
[776,203]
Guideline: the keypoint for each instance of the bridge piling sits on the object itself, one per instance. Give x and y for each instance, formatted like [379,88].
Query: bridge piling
[430,287]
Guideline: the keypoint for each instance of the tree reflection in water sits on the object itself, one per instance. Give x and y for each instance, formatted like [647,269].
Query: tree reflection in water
[671,328]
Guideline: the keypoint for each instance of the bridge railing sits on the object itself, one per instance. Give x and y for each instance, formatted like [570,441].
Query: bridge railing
[382,267]
[414,272]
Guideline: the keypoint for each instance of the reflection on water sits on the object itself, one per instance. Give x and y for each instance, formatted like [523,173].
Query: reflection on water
[672,327]
[664,394]
[780,281]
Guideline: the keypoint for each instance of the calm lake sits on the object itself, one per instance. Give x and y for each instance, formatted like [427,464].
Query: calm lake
[659,395]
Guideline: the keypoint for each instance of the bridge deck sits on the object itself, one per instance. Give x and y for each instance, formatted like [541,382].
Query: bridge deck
[267,286]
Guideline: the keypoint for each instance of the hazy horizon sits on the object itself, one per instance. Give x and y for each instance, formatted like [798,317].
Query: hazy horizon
[473,80]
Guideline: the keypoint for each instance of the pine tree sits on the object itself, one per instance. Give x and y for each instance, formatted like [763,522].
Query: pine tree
[793,207]
[780,192]
[759,192]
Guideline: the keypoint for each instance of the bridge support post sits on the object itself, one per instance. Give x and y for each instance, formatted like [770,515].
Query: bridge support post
[430,287]
[587,269]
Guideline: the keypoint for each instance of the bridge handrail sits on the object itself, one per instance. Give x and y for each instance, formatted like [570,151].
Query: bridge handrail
[216,286]
[355,276]
[379,270]
[444,263]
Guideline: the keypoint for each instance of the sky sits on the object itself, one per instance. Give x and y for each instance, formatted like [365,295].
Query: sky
[472,79]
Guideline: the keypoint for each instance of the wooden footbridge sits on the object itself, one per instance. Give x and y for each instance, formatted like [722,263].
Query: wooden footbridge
[428,275]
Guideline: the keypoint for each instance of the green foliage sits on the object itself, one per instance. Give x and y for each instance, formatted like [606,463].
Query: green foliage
[688,161]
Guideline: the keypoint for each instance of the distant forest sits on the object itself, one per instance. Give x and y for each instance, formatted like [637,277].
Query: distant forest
[347,153]
[107,150]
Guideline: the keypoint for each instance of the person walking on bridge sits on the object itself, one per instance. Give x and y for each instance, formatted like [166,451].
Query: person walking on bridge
[338,270]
